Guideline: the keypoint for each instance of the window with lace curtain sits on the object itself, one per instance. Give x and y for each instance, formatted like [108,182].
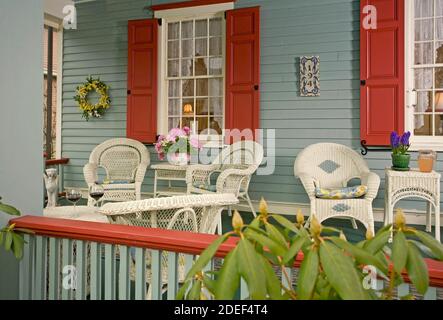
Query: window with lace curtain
[426,70]
[194,70]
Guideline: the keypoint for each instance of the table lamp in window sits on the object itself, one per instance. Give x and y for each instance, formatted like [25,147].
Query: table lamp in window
[439,102]
[187,109]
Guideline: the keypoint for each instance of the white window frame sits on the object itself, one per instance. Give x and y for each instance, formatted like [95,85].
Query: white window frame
[417,142]
[174,15]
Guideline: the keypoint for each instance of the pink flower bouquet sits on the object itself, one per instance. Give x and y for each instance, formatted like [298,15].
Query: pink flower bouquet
[177,144]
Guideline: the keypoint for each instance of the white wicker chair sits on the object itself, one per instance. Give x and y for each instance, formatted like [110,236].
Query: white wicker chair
[193,213]
[330,165]
[235,164]
[125,162]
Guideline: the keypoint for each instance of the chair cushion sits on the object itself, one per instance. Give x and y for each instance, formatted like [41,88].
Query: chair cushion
[206,186]
[107,181]
[342,193]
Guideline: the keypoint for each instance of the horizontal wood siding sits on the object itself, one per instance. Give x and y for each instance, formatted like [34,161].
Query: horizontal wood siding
[289,29]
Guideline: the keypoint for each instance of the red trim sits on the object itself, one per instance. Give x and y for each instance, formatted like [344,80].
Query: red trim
[186,4]
[54,162]
[160,239]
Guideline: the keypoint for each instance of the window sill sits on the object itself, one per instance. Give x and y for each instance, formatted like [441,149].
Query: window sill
[421,143]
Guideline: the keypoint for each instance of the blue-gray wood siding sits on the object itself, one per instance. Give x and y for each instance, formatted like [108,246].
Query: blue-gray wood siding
[289,29]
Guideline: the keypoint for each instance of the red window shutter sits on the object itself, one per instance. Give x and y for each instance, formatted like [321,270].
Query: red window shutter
[142,80]
[382,73]
[242,109]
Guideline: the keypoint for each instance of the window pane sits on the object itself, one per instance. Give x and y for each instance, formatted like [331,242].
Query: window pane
[424,102]
[174,107]
[424,30]
[439,28]
[423,78]
[439,9]
[202,87]
[202,125]
[174,88]
[173,123]
[188,88]
[215,46]
[202,107]
[201,66]
[215,66]
[423,53]
[439,52]
[216,106]
[439,101]
[173,30]
[201,28]
[201,47]
[439,125]
[187,29]
[173,51]
[216,87]
[215,27]
[187,48]
[439,78]
[423,8]
[173,68]
[187,68]
[216,125]
[423,125]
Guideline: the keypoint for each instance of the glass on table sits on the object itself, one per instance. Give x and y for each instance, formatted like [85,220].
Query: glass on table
[96,192]
[73,196]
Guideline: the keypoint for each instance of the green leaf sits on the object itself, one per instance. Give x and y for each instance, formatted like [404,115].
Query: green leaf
[228,280]
[9,209]
[330,230]
[285,222]
[308,275]
[250,269]
[8,241]
[181,293]
[399,252]
[378,242]
[294,249]
[275,235]
[17,245]
[1,237]
[361,256]
[417,269]
[272,245]
[209,283]
[341,273]
[429,241]
[206,256]
[272,282]
[194,293]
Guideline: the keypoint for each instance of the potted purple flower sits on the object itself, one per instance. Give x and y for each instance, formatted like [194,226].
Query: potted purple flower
[400,146]
[177,146]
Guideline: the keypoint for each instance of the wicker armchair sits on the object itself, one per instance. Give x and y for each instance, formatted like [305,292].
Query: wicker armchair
[235,165]
[193,213]
[330,165]
[125,162]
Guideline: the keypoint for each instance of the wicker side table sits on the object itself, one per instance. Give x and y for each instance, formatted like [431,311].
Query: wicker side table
[413,183]
[168,172]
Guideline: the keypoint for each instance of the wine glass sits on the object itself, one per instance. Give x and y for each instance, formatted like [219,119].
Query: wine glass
[73,196]
[96,192]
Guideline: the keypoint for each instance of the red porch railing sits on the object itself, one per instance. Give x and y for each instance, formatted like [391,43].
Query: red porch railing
[110,258]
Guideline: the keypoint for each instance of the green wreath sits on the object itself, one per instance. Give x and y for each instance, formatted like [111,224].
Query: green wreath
[93,110]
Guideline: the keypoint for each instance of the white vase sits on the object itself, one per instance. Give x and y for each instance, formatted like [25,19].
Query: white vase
[179,159]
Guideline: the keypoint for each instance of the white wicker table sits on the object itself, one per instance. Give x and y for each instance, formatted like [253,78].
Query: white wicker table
[83,213]
[413,184]
[168,172]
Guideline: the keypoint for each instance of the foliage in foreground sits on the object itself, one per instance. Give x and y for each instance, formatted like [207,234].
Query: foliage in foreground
[332,267]
[11,240]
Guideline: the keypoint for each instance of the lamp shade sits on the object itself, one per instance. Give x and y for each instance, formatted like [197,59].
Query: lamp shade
[187,108]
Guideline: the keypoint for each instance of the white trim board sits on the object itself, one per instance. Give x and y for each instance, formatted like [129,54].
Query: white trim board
[416,217]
